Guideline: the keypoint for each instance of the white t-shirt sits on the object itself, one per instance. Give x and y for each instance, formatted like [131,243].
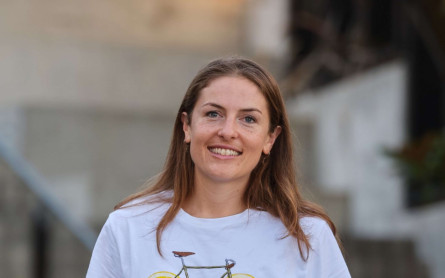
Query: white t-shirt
[126,246]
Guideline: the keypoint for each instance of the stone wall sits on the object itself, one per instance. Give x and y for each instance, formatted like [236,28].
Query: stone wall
[352,122]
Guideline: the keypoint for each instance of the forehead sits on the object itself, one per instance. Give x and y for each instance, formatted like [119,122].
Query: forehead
[233,91]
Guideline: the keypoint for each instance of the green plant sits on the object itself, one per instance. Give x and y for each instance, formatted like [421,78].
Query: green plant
[421,163]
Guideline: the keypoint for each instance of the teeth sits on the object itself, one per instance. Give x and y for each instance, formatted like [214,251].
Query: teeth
[224,151]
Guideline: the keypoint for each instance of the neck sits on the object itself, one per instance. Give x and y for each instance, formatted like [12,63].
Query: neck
[216,199]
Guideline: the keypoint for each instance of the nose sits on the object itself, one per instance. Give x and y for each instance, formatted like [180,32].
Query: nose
[228,129]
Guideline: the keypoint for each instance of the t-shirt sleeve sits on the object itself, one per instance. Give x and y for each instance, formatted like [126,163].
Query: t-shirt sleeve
[105,260]
[325,258]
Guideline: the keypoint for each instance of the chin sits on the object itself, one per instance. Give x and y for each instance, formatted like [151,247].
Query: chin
[227,178]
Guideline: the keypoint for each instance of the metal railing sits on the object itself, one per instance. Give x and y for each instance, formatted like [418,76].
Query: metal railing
[32,179]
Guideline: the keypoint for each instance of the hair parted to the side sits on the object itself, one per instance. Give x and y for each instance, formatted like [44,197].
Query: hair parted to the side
[272,185]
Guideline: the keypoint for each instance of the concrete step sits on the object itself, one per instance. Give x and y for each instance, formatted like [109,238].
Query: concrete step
[383,259]
[66,257]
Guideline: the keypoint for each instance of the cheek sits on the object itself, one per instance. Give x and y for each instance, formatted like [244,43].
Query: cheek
[257,149]
[197,144]
[194,145]
[194,153]
[257,159]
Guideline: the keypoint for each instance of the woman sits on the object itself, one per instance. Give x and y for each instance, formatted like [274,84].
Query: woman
[227,197]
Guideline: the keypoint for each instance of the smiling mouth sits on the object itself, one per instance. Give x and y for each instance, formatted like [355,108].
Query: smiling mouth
[226,152]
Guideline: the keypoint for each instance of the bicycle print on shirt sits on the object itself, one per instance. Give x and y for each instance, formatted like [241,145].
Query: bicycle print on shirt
[227,267]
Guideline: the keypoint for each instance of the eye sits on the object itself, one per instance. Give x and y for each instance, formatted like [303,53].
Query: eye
[249,119]
[212,114]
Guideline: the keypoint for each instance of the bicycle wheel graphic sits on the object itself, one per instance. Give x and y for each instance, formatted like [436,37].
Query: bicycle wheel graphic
[242,275]
[162,274]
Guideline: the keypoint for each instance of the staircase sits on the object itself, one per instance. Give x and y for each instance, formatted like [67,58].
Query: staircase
[368,257]
[383,259]
[34,240]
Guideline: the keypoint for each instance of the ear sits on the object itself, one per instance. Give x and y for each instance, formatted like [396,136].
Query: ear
[271,140]
[186,127]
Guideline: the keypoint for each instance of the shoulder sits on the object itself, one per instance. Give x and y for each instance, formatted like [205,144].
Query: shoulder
[325,258]
[144,208]
[313,226]
[318,231]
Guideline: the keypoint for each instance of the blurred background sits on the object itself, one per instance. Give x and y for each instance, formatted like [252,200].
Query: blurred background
[89,92]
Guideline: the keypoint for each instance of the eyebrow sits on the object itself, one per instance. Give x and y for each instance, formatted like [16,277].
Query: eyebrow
[243,110]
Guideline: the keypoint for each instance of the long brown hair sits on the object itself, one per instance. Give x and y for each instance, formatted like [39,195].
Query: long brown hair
[272,185]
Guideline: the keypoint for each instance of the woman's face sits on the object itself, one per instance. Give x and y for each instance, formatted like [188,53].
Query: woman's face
[229,130]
